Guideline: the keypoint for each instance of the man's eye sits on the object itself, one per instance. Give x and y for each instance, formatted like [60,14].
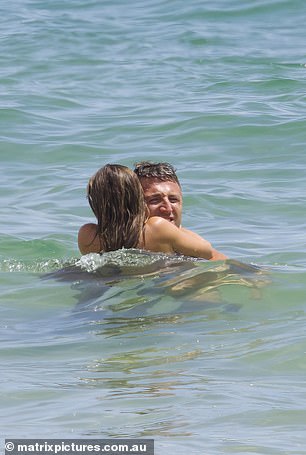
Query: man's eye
[153,201]
[173,199]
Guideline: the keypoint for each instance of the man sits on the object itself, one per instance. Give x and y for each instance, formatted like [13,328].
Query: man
[163,194]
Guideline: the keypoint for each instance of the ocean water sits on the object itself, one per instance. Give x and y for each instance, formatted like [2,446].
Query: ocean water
[203,357]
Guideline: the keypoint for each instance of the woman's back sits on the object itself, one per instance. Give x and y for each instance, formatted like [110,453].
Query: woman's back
[158,235]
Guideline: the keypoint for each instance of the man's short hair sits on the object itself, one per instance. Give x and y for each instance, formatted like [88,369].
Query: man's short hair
[161,171]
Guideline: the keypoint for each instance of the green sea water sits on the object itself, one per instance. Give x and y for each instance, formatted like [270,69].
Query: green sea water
[205,358]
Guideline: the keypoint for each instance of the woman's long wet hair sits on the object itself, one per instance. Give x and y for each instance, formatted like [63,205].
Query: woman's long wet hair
[116,197]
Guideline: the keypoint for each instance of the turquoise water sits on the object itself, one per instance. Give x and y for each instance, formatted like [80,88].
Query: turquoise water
[206,358]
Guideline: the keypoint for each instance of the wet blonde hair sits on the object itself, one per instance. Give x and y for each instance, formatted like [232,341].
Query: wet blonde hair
[116,198]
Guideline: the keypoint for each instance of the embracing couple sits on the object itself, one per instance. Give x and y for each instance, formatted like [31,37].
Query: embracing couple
[140,209]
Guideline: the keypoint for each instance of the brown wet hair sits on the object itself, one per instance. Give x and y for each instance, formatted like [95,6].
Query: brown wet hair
[116,198]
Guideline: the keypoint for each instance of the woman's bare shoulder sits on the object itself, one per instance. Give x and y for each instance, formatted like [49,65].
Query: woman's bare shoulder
[87,229]
[161,227]
[86,239]
[157,221]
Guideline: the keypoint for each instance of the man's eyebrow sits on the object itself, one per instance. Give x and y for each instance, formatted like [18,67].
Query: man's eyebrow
[154,194]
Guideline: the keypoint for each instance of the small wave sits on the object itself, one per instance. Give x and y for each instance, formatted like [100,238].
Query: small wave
[48,265]
[123,262]
[132,259]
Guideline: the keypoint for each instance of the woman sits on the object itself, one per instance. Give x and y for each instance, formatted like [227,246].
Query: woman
[116,197]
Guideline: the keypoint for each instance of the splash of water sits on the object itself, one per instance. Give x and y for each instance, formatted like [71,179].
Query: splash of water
[128,259]
[124,261]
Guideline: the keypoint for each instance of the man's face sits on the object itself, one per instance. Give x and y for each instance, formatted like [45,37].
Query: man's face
[163,199]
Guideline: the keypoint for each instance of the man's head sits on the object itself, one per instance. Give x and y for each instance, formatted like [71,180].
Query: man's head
[162,190]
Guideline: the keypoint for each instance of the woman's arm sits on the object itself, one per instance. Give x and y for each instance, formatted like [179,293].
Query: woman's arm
[163,236]
[216,255]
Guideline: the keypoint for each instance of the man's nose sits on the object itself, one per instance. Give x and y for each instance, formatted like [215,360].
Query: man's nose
[166,206]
